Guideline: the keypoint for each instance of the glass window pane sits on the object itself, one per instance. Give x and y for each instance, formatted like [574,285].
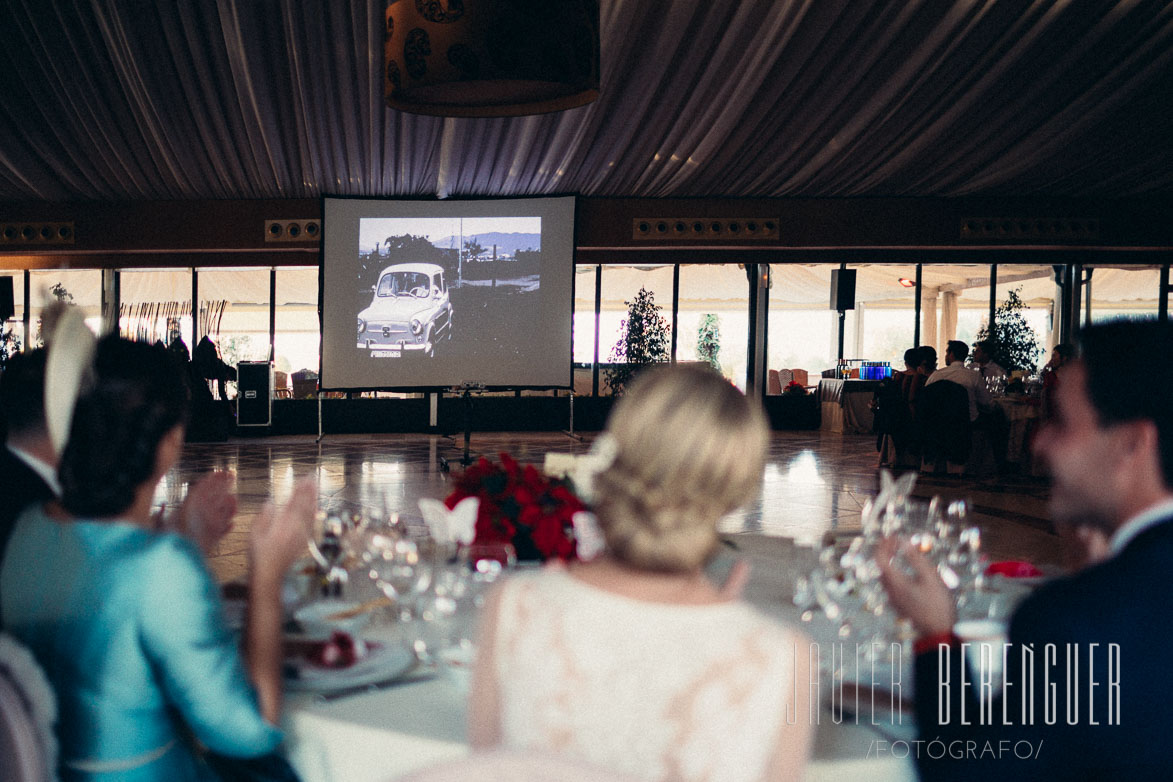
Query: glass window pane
[82,287]
[621,284]
[884,322]
[13,328]
[584,315]
[803,329]
[1125,292]
[716,297]
[156,305]
[297,339]
[234,312]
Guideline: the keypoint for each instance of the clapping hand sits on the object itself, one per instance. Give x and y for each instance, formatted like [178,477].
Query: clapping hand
[921,596]
[278,538]
[208,510]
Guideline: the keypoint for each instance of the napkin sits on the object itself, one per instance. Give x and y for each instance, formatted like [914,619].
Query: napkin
[451,526]
[1013,569]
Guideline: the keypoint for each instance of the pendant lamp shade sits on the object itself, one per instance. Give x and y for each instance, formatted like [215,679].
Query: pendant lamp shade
[491,58]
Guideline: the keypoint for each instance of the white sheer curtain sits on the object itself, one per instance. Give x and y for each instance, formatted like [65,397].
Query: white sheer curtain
[928,316]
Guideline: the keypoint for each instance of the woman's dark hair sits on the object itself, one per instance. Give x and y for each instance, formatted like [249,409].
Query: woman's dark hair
[136,397]
[912,357]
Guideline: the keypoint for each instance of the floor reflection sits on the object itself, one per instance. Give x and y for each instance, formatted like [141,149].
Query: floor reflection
[814,484]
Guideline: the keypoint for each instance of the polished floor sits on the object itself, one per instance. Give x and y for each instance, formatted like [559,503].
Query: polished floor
[815,483]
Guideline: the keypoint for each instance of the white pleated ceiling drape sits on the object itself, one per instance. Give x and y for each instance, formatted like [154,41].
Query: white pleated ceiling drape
[128,100]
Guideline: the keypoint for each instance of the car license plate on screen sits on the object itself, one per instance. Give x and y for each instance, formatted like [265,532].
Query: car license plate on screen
[385,353]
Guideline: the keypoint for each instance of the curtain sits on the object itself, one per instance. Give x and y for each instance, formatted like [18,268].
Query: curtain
[126,100]
[928,316]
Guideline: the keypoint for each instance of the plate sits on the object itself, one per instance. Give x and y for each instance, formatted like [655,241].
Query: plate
[383,662]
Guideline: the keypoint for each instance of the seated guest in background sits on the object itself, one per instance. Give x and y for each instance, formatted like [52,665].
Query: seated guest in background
[125,621]
[620,662]
[1061,355]
[28,464]
[983,361]
[1099,701]
[928,359]
[895,412]
[955,371]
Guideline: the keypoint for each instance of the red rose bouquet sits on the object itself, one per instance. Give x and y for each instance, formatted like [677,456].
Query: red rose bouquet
[794,387]
[520,506]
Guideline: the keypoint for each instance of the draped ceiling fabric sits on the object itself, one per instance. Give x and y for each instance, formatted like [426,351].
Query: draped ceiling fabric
[210,99]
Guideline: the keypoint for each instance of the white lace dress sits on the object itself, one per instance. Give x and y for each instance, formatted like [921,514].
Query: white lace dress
[655,691]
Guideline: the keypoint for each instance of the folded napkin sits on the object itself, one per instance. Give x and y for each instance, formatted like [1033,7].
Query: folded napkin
[1013,569]
[451,526]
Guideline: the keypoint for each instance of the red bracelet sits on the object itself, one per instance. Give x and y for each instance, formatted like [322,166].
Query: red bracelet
[930,643]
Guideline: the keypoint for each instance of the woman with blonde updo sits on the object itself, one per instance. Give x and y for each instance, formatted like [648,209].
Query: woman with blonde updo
[635,662]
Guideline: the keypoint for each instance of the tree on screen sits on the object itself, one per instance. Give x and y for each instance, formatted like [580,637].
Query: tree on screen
[643,340]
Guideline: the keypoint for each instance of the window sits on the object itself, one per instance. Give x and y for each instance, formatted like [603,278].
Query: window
[714,296]
[234,312]
[81,287]
[156,306]
[297,338]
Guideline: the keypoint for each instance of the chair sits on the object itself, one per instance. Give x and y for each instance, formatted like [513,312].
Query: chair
[515,766]
[943,421]
[281,386]
[785,378]
[773,384]
[28,710]
[801,376]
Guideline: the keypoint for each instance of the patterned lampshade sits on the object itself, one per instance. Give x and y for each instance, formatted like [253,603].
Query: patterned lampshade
[491,58]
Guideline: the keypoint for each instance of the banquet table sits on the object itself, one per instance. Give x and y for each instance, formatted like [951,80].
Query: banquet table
[387,733]
[1019,412]
[845,405]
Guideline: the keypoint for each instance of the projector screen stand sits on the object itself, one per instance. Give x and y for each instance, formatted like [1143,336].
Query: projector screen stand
[320,434]
[570,432]
[466,391]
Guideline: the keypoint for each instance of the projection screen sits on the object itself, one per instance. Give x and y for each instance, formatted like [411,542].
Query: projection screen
[432,294]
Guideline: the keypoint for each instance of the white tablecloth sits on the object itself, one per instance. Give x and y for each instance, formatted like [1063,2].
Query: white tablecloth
[845,405]
[388,733]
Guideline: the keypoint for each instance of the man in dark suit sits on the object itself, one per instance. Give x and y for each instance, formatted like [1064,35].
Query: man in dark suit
[28,465]
[1088,690]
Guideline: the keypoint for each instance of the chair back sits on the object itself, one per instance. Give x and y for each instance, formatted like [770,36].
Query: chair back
[773,383]
[943,413]
[801,376]
[28,711]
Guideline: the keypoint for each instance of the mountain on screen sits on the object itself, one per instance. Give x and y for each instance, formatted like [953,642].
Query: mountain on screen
[507,244]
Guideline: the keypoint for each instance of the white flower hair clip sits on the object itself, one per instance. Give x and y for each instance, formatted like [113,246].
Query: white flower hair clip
[600,457]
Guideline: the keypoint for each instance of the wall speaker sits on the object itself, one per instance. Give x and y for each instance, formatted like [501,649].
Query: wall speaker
[7,299]
[1030,229]
[843,289]
[720,229]
[36,233]
[292,230]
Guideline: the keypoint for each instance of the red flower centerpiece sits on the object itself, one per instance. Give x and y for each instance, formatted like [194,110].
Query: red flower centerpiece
[519,505]
[796,388]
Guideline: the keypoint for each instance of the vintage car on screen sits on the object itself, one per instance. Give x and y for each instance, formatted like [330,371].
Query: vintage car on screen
[409,311]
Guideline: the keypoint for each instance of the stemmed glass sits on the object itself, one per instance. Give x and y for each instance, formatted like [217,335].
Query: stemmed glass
[326,539]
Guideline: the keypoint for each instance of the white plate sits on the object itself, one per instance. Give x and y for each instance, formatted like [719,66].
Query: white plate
[383,661]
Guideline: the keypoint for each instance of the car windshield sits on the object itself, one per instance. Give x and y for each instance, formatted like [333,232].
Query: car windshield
[415,284]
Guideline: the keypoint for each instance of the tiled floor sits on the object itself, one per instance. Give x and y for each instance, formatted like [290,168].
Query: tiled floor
[815,483]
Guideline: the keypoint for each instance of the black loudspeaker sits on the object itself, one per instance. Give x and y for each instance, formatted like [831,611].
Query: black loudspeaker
[843,289]
[7,300]
[254,393]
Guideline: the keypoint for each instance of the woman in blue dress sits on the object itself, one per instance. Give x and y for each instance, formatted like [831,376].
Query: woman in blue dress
[127,621]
